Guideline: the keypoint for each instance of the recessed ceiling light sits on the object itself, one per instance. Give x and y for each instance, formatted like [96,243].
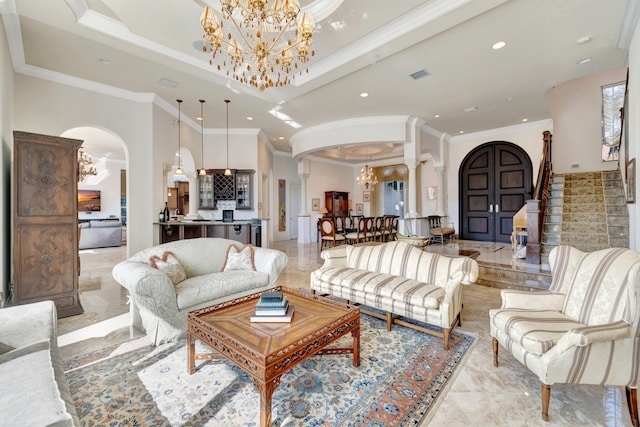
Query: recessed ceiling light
[199,118]
[364,95]
[509,98]
[104,61]
[461,131]
[525,120]
[583,60]
[436,116]
[249,118]
[499,45]
[281,138]
[339,148]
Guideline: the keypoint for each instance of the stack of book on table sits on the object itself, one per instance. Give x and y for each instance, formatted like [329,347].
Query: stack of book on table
[273,306]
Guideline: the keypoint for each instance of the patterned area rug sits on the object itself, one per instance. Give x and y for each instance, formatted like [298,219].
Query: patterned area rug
[401,375]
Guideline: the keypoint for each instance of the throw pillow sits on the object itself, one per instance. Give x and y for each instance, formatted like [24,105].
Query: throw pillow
[239,259]
[170,265]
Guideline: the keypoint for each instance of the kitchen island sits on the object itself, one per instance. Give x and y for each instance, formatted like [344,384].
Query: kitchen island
[239,230]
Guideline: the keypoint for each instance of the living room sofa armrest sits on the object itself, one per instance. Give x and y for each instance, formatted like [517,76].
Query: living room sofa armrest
[148,286]
[334,257]
[586,335]
[270,261]
[536,300]
[25,324]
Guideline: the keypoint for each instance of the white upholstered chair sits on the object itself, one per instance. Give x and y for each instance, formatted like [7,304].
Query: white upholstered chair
[584,330]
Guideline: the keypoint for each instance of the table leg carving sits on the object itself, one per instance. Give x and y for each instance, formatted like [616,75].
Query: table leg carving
[266,396]
[191,350]
[356,347]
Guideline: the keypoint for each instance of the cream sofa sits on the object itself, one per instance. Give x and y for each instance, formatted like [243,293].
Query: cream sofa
[399,279]
[160,308]
[33,389]
[102,233]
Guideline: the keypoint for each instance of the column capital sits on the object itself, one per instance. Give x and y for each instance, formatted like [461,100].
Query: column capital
[412,163]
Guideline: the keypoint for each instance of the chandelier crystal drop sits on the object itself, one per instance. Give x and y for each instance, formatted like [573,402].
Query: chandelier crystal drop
[85,165]
[367,179]
[262,44]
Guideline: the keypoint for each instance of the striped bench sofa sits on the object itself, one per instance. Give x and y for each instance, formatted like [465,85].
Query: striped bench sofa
[401,280]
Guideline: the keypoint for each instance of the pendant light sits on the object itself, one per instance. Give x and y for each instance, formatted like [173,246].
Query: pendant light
[179,170]
[227,171]
[202,171]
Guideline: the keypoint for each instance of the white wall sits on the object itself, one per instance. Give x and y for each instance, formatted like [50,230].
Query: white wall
[527,136]
[283,168]
[59,107]
[6,150]
[576,111]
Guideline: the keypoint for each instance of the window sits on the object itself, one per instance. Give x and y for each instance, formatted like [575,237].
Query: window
[612,102]
[393,195]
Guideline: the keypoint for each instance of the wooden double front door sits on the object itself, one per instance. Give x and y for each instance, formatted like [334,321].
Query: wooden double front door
[495,182]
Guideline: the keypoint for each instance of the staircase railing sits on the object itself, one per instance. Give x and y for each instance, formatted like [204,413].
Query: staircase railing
[537,206]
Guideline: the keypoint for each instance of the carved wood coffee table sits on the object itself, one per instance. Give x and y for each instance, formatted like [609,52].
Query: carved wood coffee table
[268,350]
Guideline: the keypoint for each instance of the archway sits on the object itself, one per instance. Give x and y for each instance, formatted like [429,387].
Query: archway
[495,181]
[109,154]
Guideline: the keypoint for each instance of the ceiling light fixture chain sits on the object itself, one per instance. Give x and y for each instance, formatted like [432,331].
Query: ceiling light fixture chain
[179,169]
[203,172]
[261,41]
[227,171]
[367,179]
[85,165]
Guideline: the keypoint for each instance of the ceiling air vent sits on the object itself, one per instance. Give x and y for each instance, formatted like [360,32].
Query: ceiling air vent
[165,81]
[419,74]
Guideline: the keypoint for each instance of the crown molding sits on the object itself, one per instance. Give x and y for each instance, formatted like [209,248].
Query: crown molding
[498,131]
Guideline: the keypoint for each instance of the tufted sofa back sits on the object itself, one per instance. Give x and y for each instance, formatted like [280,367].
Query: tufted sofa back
[404,260]
[600,287]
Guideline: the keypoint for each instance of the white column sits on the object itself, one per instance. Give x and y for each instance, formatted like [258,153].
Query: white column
[440,195]
[412,207]
[304,220]
[193,197]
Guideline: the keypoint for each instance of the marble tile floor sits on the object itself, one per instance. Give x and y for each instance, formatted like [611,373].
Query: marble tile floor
[478,395]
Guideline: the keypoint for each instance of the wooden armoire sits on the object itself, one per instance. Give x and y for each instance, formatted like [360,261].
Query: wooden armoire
[45,221]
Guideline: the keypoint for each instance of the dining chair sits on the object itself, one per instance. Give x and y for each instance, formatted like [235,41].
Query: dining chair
[328,233]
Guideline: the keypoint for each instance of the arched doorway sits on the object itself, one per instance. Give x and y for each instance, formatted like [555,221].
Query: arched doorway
[495,181]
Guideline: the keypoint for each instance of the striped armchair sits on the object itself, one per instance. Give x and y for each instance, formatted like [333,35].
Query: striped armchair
[584,330]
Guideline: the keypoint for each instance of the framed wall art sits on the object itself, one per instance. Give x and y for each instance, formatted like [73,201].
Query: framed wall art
[631,181]
[359,209]
[366,196]
[315,204]
[282,205]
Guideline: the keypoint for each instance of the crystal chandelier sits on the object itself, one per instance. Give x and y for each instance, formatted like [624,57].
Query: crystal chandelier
[262,44]
[85,165]
[367,179]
